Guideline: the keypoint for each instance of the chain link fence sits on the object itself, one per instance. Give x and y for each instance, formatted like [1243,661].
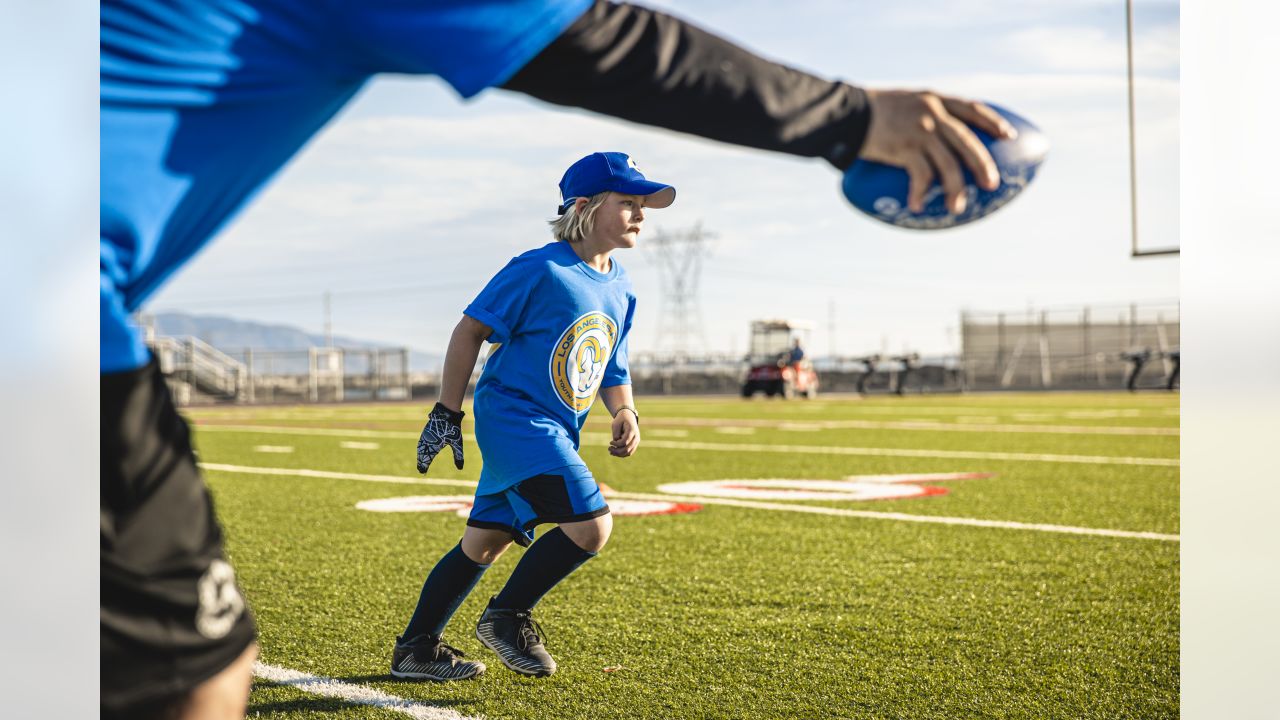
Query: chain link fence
[1088,347]
[201,374]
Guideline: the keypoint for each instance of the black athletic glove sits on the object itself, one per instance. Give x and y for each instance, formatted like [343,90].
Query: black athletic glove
[444,427]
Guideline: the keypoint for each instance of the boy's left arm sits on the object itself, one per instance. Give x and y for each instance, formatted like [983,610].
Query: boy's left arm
[626,421]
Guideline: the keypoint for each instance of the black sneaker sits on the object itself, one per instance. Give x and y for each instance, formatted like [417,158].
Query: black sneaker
[428,658]
[517,638]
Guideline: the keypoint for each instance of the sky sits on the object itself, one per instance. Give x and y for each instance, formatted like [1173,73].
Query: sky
[410,200]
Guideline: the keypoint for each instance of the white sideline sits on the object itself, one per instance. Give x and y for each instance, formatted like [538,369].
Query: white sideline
[929,425]
[286,430]
[755,504]
[355,694]
[747,447]
[912,452]
[330,475]
[904,517]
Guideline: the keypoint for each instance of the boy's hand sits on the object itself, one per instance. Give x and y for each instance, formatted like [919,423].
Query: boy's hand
[626,433]
[444,427]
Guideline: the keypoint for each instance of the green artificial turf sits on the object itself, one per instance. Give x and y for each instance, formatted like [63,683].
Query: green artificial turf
[736,612]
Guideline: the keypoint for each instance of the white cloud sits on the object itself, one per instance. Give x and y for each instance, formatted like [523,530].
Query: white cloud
[990,13]
[1093,49]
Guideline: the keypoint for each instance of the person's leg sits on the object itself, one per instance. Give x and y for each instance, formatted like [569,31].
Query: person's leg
[223,696]
[568,496]
[421,653]
[453,578]
[172,618]
[551,559]
[590,535]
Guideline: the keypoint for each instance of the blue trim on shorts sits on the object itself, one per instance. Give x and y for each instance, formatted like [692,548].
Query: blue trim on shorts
[563,495]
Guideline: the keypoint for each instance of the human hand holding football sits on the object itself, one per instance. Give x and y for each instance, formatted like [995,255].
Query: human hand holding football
[926,135]
[908,174]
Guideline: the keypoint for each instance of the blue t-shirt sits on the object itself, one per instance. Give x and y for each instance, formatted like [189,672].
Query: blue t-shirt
[203,100]
[561,328]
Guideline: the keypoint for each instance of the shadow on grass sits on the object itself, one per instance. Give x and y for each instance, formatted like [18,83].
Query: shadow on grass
[329,705]
[301,705]
[326,705]
[383,677]
[389,678]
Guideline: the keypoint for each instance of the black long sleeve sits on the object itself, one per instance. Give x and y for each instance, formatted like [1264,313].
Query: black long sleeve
[640,65]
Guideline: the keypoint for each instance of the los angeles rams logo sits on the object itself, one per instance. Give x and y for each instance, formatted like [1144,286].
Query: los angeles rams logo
[580,357]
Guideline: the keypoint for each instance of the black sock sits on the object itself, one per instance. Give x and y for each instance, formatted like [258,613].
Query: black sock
[550,560]
[449,583]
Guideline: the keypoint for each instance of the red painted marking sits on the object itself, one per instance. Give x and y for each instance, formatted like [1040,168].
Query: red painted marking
[677,509]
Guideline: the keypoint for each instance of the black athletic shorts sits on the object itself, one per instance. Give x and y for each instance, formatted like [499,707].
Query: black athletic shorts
[172,615]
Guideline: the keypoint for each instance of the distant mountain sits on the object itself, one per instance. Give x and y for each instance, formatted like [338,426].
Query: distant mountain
[232,336]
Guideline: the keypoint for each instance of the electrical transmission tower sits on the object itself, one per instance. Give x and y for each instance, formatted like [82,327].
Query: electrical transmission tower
[679,258]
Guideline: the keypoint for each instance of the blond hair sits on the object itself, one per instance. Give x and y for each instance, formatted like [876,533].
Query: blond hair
[576,224]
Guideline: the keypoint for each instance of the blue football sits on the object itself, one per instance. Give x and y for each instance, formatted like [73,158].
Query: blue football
[881,190]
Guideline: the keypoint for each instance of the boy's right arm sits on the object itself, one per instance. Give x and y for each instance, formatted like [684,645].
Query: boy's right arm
[460,360]
[444,424]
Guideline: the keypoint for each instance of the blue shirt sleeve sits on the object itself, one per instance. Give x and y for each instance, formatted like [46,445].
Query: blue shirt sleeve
[472,44]
[618,371]
[504,302]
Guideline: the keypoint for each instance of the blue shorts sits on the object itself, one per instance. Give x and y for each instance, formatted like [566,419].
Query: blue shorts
[564,495]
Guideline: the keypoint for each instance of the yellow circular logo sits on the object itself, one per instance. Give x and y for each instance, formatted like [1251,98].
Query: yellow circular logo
[579,359]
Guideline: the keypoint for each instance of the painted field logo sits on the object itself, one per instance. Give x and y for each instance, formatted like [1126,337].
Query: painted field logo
[854,487]
[579,359]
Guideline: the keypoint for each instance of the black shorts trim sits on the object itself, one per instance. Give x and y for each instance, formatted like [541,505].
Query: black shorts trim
[520,539]
[523,540]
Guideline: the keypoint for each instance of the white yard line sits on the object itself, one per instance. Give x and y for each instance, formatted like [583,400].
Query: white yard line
[329,475]
[903,517]
[919,425]
[754,504]
[354,694]
[912,452]
[286,430]
[751,447]
[1153,410]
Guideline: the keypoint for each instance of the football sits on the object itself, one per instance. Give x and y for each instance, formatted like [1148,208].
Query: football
[881,190]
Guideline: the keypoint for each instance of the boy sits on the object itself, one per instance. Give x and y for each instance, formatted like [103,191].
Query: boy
[559,316]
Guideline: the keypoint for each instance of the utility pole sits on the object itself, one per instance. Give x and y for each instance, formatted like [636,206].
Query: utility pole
[679,258]
[831,328]
[328,321]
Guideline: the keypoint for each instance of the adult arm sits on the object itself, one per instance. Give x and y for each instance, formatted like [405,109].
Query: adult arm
[648,67]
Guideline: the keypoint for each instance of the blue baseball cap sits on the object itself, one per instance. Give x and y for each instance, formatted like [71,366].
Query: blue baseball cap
[612,171]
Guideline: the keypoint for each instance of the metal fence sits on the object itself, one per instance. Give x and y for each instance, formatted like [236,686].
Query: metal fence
[200,373]
[667,374]
[1076,348]
[319,374]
